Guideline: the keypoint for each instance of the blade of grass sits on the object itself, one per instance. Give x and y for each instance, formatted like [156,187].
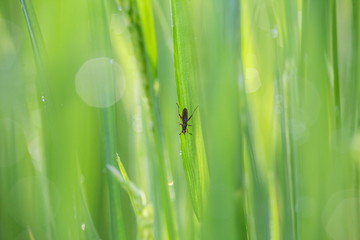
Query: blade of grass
[192,147]
[83,216]
[285,96]
[100,39]
[42,89]
[258,194]
[34,32]
[335,62]
[354,120]
[317,153]
[143,210]
[356,57]
[253,123]
[218,36]
[144,42]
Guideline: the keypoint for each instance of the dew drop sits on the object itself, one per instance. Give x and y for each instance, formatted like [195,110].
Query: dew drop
[83,226]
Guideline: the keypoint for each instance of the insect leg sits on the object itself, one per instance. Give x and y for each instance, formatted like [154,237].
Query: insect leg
[178,110]
[193,113]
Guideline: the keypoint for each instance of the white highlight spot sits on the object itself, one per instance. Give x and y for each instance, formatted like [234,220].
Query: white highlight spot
[99,82]
[252,80]
[35,149]
[274,32]
[83,226]
[171,183]
[43,98]
[10,43]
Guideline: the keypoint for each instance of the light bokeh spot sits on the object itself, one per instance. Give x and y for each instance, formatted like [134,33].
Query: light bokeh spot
[252,80]
[35,148]
[99,82]
[340,215]
[343,222]
[274,32]
[10,43]
[29,201]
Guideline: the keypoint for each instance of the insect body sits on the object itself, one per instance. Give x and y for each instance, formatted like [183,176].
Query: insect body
[184,118]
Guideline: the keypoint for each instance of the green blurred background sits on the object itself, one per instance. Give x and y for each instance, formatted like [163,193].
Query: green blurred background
[89,133]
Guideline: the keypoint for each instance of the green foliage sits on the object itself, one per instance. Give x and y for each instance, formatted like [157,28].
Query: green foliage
[143,210]
[275,144]
[192,148]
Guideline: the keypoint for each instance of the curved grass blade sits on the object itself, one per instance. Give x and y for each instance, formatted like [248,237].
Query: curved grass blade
[143,210]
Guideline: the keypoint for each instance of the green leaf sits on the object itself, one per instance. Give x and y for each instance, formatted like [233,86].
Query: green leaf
[143,210]
[192,146]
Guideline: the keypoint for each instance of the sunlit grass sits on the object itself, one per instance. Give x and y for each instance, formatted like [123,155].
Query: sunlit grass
[274,150]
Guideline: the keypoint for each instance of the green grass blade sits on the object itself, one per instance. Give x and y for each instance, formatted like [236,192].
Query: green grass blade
[220,68]
[275,144]
[143,37]
[192,147]
[34,32]
[142,209]
[335,63]
[42,92]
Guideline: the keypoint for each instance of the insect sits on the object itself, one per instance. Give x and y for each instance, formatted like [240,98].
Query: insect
[184,118]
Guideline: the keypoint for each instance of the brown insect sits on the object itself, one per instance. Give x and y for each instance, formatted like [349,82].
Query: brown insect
[184,118]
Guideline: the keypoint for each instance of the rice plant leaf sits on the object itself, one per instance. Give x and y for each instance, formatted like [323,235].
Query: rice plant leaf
[143,210]
[192,146]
